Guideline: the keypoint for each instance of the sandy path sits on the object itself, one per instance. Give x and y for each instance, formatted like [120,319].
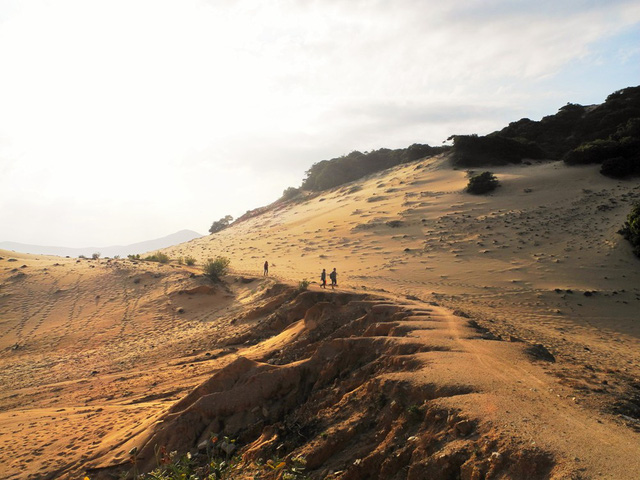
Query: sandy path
[515,398]
[570,431]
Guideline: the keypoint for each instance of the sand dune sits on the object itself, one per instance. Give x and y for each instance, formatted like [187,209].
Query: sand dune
[442,299]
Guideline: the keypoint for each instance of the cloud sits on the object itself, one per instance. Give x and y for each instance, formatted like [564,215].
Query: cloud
[117,103]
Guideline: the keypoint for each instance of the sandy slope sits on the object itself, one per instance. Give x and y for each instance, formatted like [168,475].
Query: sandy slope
[94,352]
[500,256]
[91,351]
[520,260]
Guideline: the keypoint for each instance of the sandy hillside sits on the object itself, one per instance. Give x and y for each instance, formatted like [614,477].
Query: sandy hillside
[93,350]
[522,258]
[482,337]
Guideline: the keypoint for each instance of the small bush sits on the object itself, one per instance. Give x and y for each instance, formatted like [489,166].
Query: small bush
[631,229]
[190,261]
[95,255]
[134,257]
[216,268]
[158,257]
[620,167]
[290,192]
[180,260]
[483,183]
[303,285]
[592,152]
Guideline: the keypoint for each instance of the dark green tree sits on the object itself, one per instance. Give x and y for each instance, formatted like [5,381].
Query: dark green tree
[221,224]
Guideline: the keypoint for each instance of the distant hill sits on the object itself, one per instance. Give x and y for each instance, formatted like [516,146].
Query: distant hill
[141,247]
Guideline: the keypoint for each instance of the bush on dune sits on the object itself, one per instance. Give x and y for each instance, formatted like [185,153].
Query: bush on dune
[620,157]
[290,193]
[631,229]
[221,224]
[621,167]
[494,149]
[575,125]
[216,268]
[347,168]
[158,257]
[483,183]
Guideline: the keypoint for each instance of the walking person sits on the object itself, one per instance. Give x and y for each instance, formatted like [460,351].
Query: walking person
[266,268]
[323,278]
[334,278]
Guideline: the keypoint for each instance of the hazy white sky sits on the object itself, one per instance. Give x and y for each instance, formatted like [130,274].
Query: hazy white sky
[122,121]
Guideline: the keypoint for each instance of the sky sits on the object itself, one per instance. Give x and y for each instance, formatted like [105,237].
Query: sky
[127,120]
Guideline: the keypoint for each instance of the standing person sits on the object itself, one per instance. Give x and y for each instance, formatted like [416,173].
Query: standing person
[266,267]
[323,278]
[334,278]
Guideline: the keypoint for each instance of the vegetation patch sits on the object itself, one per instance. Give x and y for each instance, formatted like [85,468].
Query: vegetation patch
[631,229]
[483,183]
[347,168]
[158,257]
[395,223]
[290,193]
[216,268]
[607,134]
[366,226]
[575,125]
[619,154]
[221,224]
[494,149]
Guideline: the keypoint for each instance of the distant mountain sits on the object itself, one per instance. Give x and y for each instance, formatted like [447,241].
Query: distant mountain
[141,247]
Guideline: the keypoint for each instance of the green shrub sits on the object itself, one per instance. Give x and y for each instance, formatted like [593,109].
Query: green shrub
[190,261]
[631,229]
[620,167]
[593,152]
[619,158]
[134,257]
[303,285]
[483,183]
[95,255]
[290,192]
[216,268]
[158,257]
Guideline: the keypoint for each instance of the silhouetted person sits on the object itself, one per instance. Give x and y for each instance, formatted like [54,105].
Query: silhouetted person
[266,268]
[334,278]
[323,278]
